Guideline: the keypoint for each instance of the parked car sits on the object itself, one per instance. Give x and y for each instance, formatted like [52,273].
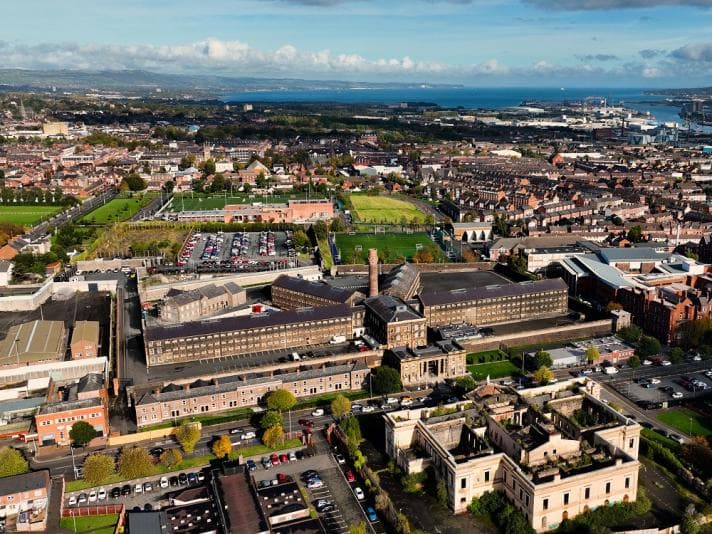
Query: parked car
[248,435]
[266,462]
[163,482]
[157,451]
[173,481]
[72,500]
[138,489]
[371,513]
[101,494]
[274,459]
[192,478]
[282,478]
[82,498]
[147,487]
[125,490]
[182,479]
[359,493]
[677,395]
[314,483]
[283,458]
[92,496]
[368,409]
[292,456]
[318,412]
[251,465]
[340,459]
[350,476]
[309,473]
[201,476]
[115,492]
[323,506]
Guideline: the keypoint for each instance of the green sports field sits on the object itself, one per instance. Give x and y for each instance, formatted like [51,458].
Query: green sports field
[392,245]
[493,370]
[26,215]
[188,202]
[384,210]
[686,421]
[117,210]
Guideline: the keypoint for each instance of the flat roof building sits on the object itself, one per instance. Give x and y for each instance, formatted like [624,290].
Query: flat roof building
[85,340]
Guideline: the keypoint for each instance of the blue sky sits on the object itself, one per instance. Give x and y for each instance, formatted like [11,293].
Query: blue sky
[642,43]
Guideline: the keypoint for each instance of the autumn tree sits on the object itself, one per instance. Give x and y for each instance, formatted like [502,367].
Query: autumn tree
[340,406]
[543,375]
[12,462]
[135,462]
[592,354]
[222,446]
[188,435]
[98,468]
[273,436]
[171,457]
[271,418]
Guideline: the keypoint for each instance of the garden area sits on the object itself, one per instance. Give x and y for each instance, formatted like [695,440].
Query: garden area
[138,239]
[117,210]
[380,209]
[27,215]
[92,524]
[686,421]
[391,247]
[492,363]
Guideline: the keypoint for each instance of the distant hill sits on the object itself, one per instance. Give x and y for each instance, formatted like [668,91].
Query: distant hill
[139,82]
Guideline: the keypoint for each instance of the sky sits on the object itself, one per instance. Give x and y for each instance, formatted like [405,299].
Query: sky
[478,43]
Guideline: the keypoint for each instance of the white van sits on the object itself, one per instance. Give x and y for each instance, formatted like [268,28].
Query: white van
[295,357]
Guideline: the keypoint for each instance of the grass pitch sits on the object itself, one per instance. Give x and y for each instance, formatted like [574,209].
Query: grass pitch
[384,210]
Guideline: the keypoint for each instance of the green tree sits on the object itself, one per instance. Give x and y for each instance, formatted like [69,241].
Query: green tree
[592,354]
[12,462]
[385,380]
[352,430]
[169,186]
[340,406]
[677,355]
[543,375]
[320,230]
[98,468]
[301,241]
[273,436]
[465,383]
[134,182]
[222,446]
[82,433]
[441,493]
[630,334]
[171,457]
[518,263]
[635,234]
[261,181]
[186,161]
[208,167]
[358,528]
[337,225]
[540,359]
[281,400]
[188,435]
[271,418]
[648,346]
[135,462]
[634,362]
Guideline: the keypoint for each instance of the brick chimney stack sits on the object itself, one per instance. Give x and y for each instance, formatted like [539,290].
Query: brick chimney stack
[372,272]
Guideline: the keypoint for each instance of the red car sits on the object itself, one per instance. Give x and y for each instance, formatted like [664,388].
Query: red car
[275,459]
[284,458]
[282,478]
[350,476]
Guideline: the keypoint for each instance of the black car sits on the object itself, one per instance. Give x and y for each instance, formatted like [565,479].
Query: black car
[311,473]
[126,490]
[115,492]
[157,451]
[300,455]
[182,479]
[192,478]
[173,481]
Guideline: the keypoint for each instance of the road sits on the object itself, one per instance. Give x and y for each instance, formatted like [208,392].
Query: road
[69,215]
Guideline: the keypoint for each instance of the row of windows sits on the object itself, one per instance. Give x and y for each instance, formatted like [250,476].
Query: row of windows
[566,497]
[69,419]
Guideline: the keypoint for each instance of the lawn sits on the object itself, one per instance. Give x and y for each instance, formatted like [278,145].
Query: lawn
[390,245]
[486,356]
[194,202]
[493,370]
[686,421]
[96,524]
[381,209]
[117,210]
[27,215]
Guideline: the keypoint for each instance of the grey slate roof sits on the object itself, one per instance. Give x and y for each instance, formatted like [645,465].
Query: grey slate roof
[391,309]
[318,289]
[229,324]
[495,291]
[26,482]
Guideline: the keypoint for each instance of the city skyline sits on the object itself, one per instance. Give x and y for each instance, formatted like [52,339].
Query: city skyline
[474,43]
